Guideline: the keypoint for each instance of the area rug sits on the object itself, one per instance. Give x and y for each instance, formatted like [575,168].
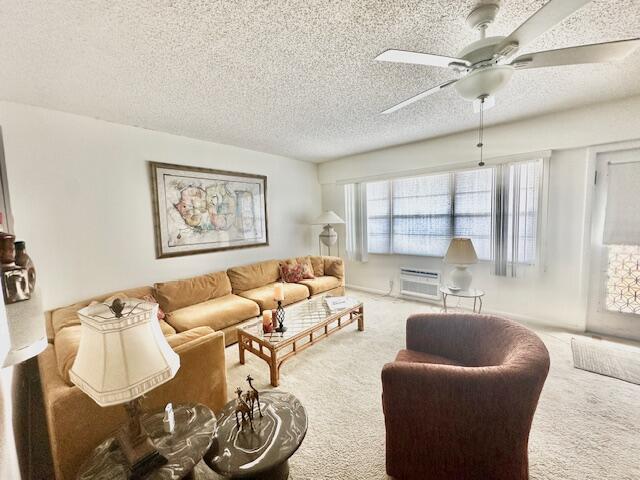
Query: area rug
[585,428]
[607,358]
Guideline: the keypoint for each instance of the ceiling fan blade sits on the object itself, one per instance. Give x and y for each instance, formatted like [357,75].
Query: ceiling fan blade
[552,13]
[420,96]
[404,56]
[596,53]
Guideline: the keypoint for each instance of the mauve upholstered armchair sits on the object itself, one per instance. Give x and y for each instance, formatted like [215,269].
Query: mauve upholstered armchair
[459,401]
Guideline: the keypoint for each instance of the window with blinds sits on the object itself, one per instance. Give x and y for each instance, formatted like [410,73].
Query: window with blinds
[472,205]
[420,215]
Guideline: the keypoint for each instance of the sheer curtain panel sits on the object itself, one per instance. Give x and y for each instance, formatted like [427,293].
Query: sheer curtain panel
[516,204]
[356,221]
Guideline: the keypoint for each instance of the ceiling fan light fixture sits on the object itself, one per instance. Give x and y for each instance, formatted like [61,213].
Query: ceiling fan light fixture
[484,82]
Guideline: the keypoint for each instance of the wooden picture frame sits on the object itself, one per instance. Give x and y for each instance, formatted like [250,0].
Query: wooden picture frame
[202,210]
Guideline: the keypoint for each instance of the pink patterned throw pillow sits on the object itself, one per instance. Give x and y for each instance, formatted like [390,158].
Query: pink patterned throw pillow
[291,272]
[152,299]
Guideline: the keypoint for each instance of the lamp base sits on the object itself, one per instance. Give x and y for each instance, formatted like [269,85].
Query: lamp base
[328,236]
[460,277]
[134,442]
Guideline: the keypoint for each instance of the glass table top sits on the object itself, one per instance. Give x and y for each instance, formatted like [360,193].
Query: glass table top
[300,317]
[471,293]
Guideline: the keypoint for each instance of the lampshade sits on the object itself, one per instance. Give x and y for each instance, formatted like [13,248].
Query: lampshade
[328,218]
[461,252]
[120,359]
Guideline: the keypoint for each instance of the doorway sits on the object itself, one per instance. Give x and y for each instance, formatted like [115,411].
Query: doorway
[614,284]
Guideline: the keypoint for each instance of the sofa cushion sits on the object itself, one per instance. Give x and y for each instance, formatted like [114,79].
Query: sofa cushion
[68,316]
[217,313]
[176,340]
[413,356]
[263,296]
[248,277]
[334,266]
[67,342]
[321,284]
[317,263]
[231,333]
[189,291]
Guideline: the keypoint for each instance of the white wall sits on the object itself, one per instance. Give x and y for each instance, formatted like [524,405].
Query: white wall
[555,294]
[81,198]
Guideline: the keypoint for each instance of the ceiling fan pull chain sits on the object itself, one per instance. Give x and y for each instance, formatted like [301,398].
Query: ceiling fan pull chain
[480,144]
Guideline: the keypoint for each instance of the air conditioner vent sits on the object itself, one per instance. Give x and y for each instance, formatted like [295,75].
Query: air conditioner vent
[418,283]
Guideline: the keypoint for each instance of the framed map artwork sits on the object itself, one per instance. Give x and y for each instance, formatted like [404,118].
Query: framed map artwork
[200,210]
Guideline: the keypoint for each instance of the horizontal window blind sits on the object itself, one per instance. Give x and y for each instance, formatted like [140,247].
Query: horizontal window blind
[472,219]
[421,215]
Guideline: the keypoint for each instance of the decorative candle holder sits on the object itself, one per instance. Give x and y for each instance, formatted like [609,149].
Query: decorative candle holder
[280,318]
[267,321]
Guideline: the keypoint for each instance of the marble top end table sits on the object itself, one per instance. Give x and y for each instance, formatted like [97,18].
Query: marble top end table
[195,427]
[262,453]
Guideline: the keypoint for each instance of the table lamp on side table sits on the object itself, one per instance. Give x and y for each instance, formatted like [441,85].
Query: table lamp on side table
[122,355]
[461,254]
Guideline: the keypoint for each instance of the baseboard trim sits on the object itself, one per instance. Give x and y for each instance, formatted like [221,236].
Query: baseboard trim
[515,316]
[371,290]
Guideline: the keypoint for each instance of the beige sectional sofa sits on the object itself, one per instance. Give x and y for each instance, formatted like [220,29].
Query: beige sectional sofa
[202,315]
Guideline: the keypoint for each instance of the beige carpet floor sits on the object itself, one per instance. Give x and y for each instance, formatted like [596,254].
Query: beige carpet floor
[587,426]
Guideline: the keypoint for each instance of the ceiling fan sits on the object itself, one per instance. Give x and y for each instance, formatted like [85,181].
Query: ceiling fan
[487,64]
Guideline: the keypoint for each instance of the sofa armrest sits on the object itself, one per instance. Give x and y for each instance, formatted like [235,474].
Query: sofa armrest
[77,424]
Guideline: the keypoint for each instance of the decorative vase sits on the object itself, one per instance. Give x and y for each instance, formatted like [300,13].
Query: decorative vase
[7,251]
[24,260]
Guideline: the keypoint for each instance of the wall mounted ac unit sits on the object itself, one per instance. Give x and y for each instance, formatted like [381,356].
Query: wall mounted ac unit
[417,283]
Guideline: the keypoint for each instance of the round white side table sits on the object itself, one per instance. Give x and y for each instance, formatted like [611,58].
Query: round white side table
[474,293]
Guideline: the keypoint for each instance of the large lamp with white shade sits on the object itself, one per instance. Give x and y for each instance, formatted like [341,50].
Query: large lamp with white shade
[328,236]
[123,355]
[461,254]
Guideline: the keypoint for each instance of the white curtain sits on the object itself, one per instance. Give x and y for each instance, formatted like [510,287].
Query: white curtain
[378,215]
[622,220]
[356,221]
[516,203]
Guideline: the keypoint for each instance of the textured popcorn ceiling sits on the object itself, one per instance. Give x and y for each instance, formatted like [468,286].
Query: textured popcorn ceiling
[292,77]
